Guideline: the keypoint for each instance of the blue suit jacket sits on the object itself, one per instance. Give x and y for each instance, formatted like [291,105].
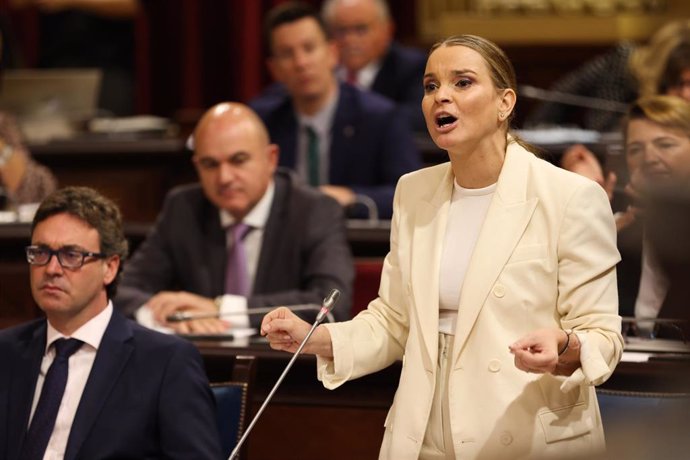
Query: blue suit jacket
[371,144]
[146,396]
[400,80]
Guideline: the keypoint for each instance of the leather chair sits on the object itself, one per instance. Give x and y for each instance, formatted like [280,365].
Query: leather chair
[233,404]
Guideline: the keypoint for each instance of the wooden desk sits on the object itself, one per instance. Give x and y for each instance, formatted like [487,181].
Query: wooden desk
[136,173]
[305,421]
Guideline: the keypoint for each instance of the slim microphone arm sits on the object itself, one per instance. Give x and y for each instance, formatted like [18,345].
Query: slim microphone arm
[328,304]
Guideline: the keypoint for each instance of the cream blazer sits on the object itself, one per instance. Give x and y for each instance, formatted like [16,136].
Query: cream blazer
[545,257]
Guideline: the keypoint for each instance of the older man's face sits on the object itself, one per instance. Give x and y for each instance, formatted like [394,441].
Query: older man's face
[234,163]
[360,32]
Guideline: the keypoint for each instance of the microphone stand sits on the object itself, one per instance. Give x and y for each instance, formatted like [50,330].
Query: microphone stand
[328,304]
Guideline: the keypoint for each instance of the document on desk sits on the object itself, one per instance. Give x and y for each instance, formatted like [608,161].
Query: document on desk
[643,345]
[145,317]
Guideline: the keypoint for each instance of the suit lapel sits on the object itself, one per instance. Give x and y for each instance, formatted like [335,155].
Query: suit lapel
[111,358]
[429,226]
[509,213]
[27,365]
[215,252]
[272,239]
[343,133]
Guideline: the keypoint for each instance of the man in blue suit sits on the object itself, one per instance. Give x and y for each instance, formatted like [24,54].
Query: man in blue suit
[353,145]
[86,383]
[369,58]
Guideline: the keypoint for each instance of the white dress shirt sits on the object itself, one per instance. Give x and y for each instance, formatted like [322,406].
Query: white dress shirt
[653,288]
[365,76]
[80,364]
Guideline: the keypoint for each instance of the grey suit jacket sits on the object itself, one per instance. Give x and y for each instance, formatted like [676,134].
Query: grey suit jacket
[304,252]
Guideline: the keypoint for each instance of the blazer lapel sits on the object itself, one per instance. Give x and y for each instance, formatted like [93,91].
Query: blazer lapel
[508,215]
[273,236]
[23,385]
[427,240]
[343,132]
[215,253]
[111,358]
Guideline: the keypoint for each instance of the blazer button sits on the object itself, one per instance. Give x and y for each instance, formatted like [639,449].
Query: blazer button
[494,365]
[499,291]
[506,438]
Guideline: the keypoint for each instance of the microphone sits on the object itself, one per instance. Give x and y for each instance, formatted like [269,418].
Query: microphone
[180,316]
[326,307]
[560,97]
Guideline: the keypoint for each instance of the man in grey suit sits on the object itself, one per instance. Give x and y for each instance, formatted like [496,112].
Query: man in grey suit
[293,245]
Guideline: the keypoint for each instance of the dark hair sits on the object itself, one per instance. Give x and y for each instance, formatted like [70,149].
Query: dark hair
[677,62]
[96,211]
[287,13]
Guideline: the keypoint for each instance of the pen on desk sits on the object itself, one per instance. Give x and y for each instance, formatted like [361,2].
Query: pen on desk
[180,316]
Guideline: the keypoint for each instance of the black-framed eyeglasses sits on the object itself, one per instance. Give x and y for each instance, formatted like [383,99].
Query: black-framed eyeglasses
[67,257]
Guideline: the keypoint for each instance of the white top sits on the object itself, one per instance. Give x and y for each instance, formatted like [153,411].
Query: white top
[653,288]
[79,368]
[466,215]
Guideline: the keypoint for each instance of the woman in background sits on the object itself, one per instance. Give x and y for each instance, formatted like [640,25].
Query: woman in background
[23,180]
[657,149]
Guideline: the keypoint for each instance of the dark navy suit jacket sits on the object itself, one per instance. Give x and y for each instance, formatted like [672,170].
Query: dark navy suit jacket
[146,396]
[371,144]
[400,79]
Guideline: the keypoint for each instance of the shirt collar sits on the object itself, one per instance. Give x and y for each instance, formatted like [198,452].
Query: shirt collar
[90,333]
[367,74]
[322,120]
[257,217]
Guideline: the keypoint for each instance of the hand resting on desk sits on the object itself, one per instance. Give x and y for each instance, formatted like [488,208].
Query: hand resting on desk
[166,303]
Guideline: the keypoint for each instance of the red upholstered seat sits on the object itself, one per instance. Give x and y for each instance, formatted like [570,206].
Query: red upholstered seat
[367,280]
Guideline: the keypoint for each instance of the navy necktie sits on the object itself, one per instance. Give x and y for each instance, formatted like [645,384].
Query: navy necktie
[43,421]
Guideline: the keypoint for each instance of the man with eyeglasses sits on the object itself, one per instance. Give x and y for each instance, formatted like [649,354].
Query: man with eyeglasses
[248,235]
[85,382]
[371,59]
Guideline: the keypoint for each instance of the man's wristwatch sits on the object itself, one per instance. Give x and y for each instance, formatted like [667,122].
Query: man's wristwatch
[5,153]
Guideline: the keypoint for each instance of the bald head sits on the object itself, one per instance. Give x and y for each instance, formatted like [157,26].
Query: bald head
[231,115]
[233,157]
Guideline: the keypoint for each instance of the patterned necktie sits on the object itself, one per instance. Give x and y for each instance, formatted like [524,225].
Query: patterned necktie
[43,421]
[236,275]
[312,157]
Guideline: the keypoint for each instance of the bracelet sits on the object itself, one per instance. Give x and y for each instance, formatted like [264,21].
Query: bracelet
[218,301]
[567,341]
